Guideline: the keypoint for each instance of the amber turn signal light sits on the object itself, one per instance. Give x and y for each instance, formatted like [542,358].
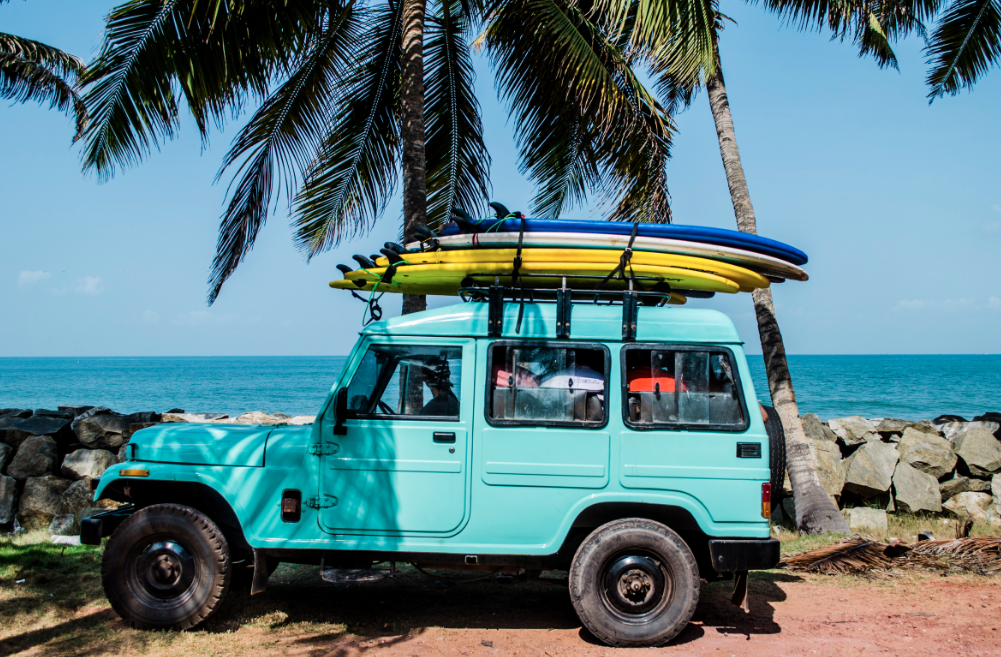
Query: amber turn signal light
[133,473]
[766,501]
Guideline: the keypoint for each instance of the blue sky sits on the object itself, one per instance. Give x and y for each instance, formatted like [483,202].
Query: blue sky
[897,202]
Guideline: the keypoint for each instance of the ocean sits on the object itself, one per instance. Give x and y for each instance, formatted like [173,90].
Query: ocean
[907,387]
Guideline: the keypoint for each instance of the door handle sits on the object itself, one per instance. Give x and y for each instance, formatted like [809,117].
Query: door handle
[444,437]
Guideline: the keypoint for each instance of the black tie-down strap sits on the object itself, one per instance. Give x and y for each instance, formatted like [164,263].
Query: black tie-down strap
[515,279]
[373,310]
[625,262]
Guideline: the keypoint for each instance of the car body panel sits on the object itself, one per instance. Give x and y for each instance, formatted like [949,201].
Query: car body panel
[503,490]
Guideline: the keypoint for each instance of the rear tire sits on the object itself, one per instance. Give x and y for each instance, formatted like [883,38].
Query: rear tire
[634,582]
[166,567]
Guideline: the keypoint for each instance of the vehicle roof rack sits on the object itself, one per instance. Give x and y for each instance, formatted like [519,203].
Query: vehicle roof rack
[474,288]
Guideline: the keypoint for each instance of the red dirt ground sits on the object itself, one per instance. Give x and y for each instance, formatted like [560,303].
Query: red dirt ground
[790,615]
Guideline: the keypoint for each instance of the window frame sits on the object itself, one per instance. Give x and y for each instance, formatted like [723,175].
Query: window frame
[356,415]
[550,344]
[680,426]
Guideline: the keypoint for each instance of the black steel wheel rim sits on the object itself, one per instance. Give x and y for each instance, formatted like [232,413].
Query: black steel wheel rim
[636,587]
[163,573]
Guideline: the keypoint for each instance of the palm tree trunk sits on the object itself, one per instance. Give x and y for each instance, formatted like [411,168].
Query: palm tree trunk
[816,513]
[412,132]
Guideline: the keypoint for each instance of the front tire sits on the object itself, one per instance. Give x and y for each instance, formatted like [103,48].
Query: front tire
[166,567]
[634,582]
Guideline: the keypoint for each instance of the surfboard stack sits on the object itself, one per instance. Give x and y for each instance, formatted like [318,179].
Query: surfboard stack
[541,254]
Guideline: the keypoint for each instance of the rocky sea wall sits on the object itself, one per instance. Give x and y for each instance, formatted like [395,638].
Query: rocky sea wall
[943,466]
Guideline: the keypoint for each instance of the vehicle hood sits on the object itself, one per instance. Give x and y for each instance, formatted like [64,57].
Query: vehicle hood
[201,444]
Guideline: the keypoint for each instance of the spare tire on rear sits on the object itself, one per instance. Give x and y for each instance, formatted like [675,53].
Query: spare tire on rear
[776,451]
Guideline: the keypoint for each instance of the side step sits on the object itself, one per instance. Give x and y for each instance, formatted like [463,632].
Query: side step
[354,575]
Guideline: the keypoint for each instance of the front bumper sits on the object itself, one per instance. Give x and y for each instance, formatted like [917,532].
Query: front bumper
[740,555]
[99,525]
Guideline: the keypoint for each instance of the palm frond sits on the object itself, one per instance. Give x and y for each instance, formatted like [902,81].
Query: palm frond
[30,70]
[964,45]
[583,120]
[62,64]
[458,165]
[354,173]
[155,49]
[279,141]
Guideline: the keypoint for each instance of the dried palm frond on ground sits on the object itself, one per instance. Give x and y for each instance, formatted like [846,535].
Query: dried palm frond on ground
[856,556]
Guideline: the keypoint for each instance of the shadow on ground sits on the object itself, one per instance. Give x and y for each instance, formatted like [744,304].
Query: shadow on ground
[60,609]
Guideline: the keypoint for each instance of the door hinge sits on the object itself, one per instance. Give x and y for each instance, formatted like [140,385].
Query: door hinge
[321,501]
[324,449]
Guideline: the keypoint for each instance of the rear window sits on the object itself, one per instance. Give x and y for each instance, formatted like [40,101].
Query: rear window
[681,388]
[547,384]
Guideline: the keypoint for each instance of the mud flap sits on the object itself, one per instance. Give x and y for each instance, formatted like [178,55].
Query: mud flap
[740,592]
[260,582]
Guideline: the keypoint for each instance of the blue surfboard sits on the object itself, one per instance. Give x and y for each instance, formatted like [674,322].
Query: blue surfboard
[704,234]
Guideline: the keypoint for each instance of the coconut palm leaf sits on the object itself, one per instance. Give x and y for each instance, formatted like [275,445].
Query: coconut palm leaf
[964,45]
[214,53]
[583,120]
[458,165]
[23,79]
[354,174]
[279,141]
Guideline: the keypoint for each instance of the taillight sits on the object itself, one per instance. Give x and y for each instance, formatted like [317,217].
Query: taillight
[766,501]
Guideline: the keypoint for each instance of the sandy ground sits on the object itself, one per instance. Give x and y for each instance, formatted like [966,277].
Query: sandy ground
[789,615]
[411,615]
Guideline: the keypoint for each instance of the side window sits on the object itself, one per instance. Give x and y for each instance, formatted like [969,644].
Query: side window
[681,388]
[407,380]
[546,384]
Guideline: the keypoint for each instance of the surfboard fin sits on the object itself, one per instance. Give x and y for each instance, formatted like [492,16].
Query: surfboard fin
[345,269]
[393,256]
[423,233]
[363,261]
[394,247]
[502,212]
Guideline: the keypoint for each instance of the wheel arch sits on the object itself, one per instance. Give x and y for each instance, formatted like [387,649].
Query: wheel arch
[677,518]
[196,495]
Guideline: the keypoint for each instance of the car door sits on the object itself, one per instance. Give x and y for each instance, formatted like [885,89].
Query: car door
[687,428]
[401,464]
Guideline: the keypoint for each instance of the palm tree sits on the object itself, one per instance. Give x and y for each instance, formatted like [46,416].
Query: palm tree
[682,72]
[351,91]
[30,70]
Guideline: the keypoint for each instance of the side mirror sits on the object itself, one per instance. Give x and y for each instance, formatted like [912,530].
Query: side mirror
[341,412]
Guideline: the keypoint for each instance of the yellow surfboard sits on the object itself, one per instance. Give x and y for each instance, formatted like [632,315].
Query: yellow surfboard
[676,299]
[550,273]
[607,259]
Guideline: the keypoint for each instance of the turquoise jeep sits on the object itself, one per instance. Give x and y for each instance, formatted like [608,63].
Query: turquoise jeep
[484,437]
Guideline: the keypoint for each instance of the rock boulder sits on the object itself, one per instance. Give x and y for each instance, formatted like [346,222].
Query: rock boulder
[952,430]
[300,420]
[955,486]
[6,454]
[869,471]
[64,525]
[979,451]
[889,425]
[20,431]
[105,430]
[926,452]
[75,411]
[45,412]
[852,430]
[974,505]
[77,497]
[8,499]
[87,463]
[830,468]
[193,417]
[35,457]
[864,519]
[996,492]
[41,501]
[15,412]
[814,428]
[916,491]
